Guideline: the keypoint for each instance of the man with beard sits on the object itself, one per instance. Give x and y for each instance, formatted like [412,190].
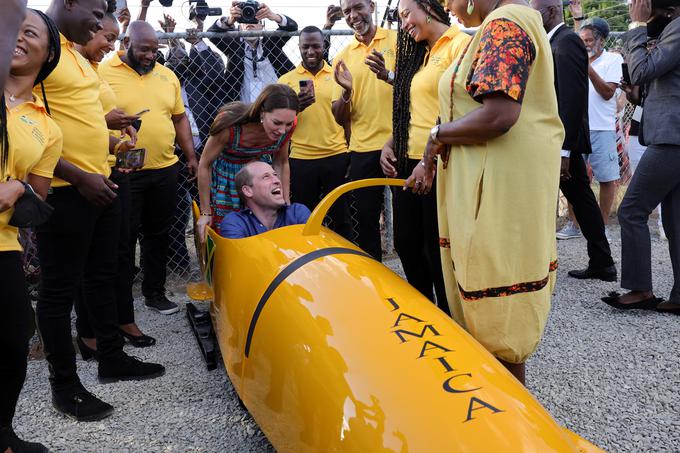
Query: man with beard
[604,74]
[78,246]
[318,158]
[363,99]
[141,84]
[253,63]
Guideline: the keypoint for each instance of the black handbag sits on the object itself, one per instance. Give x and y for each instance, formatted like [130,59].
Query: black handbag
[30,210]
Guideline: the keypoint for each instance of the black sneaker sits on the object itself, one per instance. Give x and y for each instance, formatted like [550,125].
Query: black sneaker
[81,405]
[9,439]
[127,368]
[161,304]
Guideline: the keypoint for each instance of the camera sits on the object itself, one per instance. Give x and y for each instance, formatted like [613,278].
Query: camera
[248,11]
[392,15]
[166,3]
[202,10]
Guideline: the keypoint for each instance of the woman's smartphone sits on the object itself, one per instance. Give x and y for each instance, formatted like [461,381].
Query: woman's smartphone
[132,159]
[142,112]
[307,86]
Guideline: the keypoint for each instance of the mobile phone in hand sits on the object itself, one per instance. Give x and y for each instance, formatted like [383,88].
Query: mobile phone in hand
[307,86]
[626,74]
[132,159]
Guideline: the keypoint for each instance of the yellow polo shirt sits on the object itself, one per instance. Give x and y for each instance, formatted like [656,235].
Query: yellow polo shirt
[160,92]
[317,134]
[73,97]
[372,99]
[35,143]
[425,88]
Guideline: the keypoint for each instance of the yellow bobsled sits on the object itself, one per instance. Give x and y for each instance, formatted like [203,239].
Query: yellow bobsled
[331,351]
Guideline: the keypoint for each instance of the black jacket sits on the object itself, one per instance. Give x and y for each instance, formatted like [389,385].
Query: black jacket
[235,52]
[203,77]
[571,85]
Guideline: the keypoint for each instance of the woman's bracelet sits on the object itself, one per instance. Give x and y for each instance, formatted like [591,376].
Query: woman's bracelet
[207,214]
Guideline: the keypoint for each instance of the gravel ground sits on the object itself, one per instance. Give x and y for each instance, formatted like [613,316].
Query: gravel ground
[610,376]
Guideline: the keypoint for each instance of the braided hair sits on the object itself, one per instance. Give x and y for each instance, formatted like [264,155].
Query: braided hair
[410,58]
[53,54]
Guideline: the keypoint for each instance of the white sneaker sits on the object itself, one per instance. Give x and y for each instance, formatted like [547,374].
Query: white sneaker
[569,231]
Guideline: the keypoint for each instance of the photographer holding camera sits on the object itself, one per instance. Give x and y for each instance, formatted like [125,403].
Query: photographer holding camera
[253,63]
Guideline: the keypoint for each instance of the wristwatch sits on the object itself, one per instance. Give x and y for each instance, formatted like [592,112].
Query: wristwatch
[434,135]
[636,24]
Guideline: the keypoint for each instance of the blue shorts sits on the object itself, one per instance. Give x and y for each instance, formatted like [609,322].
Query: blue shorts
[604,160]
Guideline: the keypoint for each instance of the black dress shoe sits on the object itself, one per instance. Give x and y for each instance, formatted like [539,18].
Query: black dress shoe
[669,307]
[606,274]
[81,405]
[141,341]
[86,352]
[9,439]
[645,304]
[127,368]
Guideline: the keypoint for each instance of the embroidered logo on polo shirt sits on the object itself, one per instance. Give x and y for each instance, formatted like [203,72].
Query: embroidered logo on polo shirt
[27,120]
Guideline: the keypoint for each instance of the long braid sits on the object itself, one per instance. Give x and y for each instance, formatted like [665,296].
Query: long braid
[410,58]
[4,140]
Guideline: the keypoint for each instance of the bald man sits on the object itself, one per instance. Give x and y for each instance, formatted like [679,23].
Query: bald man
[142,85]
[571,85]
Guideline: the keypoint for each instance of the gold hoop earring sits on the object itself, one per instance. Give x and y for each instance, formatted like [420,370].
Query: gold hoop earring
[428,19]
[470,7]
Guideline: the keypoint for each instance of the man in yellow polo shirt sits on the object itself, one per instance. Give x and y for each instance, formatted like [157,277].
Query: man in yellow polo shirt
[78,245]
[319,157]
[141,84]
[363,98]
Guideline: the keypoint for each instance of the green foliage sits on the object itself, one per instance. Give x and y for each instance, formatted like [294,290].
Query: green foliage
[613,11]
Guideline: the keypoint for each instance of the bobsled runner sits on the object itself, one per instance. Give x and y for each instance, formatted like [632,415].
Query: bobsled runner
[331,351]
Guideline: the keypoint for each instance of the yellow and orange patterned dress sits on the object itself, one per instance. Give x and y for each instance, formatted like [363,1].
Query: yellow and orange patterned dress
[496,200]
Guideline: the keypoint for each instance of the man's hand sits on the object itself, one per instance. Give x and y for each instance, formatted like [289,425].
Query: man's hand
[342,76]
[96,188]
[388,160]
[167,24]
[117,119]
[192,36]
[124,18]
[265,13]
[10,192]
[234,14]
[192,169]
[640,10]
[131,132]
[333,13]
[564,169]
[305,99]
[376,62]
[575,8]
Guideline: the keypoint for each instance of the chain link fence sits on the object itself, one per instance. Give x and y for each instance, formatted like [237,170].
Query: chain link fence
[205,64]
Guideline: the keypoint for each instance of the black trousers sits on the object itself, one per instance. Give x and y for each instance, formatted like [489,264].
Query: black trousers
[153,196]
[123,284]
[77,246]
[312,179]
[416,240]
[15,332]
[577,191]
[178,254]
[367,202]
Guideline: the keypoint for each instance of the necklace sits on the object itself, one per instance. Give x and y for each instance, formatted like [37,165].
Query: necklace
[12,98]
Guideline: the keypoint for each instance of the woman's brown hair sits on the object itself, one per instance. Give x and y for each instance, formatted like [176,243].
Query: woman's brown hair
[275,96]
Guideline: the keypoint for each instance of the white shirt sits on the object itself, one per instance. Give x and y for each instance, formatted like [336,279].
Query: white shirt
[192,122]
[254,80]
[601,113]
[551,33]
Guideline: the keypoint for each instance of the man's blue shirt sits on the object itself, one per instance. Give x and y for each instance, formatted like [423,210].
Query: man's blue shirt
[243,224]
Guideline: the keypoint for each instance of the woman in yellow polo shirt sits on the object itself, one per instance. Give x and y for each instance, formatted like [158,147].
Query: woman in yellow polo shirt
[117,120]
[29,151]
[427,45]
